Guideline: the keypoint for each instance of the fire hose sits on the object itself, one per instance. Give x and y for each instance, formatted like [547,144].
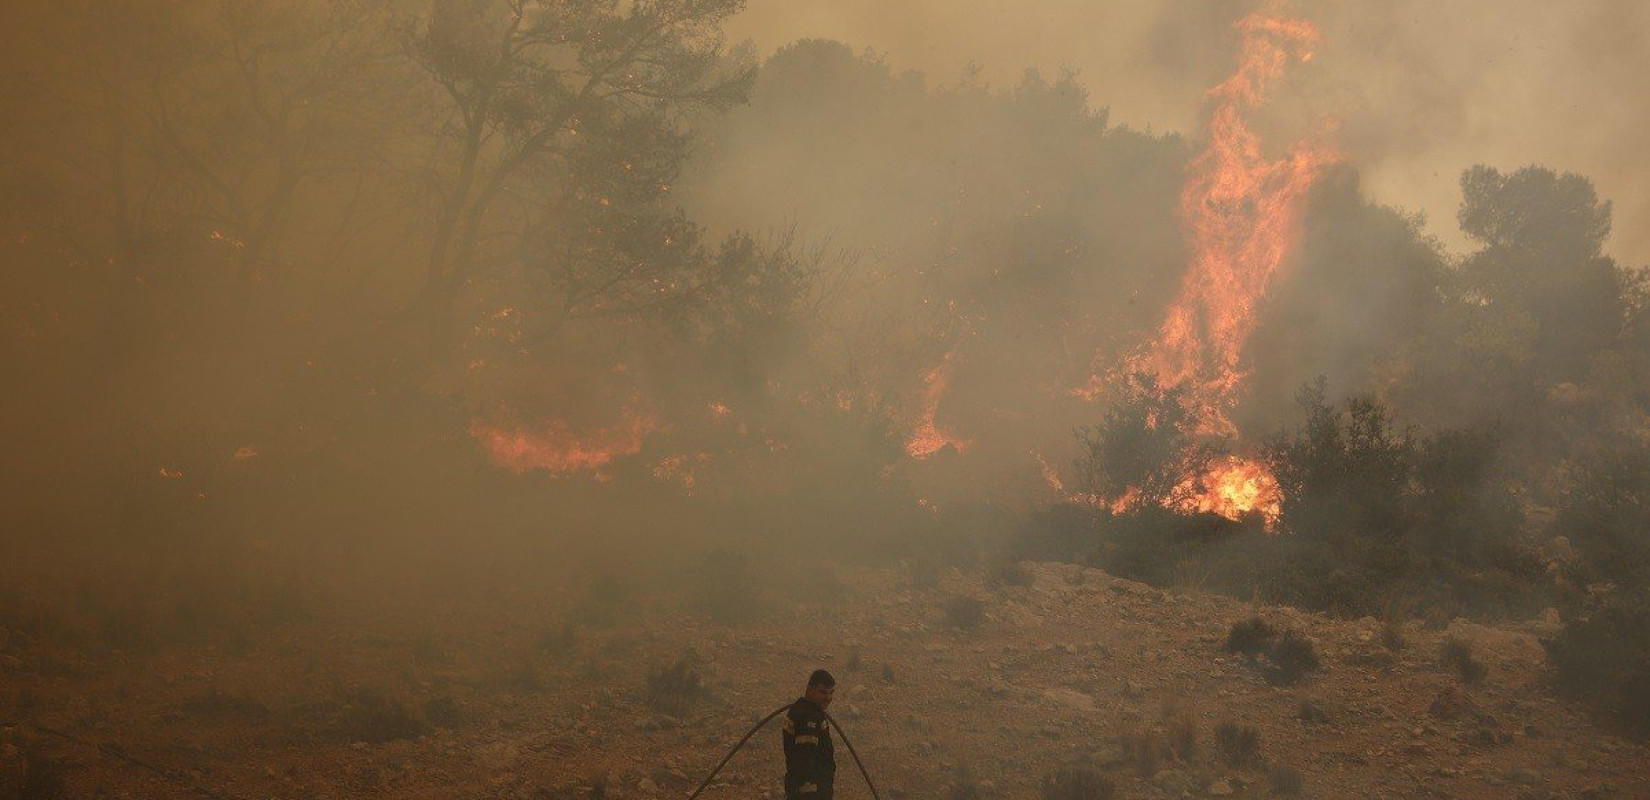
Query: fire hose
[765,720]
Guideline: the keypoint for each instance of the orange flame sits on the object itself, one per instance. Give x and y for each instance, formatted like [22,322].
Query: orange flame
[1242,215]
[929,438]
[1241,211]
[1232,488]
[556,448]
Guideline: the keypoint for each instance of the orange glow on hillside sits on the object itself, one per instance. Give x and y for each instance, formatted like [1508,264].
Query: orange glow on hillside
[929,438]
[556,448]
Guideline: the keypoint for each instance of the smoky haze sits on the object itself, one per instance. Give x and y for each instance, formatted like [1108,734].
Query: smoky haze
[584,320]
[1422,90]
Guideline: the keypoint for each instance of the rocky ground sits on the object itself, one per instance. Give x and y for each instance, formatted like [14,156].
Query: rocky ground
[499,699]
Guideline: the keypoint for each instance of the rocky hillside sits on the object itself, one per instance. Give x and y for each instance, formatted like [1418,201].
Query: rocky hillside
[959,690]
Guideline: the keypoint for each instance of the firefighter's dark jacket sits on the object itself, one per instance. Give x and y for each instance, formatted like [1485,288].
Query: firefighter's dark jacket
[810,763]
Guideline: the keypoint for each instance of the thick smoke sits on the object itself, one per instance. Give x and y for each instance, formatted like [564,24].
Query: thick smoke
[1423,90]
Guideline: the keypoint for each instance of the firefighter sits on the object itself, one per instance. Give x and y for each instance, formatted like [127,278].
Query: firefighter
[810,764]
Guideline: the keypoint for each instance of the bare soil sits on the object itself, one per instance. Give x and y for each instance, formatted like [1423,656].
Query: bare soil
[499,699]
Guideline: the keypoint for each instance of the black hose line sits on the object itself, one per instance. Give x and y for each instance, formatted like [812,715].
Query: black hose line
[747,737]
[855,754]
[769,718]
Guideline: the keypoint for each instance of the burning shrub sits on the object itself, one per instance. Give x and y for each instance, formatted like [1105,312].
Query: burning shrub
[1078,782]
[1457,655]
[1239,745]
[1603,658]
[672,688]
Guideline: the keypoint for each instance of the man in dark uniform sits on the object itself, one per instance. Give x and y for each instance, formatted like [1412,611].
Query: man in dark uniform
[810,764]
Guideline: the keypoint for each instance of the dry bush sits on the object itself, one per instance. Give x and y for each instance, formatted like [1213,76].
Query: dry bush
[1312,711]
[1251,637]
[1078,782]
[1457,655]
[368,716]
[965,787]
[224,705]
[1286,780]
[1284,657]
[1239,744]
[1142,749]
[42,778]
[673,688]
[1292,657]
[1182,738]
[1009,573]
[443,712]
[1392,634]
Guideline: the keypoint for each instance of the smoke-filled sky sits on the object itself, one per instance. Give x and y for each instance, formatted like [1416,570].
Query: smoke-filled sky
[1421,89]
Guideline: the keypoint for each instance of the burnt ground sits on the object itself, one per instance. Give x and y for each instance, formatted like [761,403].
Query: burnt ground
[496,698]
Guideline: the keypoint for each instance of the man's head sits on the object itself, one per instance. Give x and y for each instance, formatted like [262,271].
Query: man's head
[821,688]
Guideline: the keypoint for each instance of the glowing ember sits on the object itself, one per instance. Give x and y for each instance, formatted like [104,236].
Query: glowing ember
[929,438]
[680,469]
[555,448]
[1050,477]
[1241,211]
[1233,488]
